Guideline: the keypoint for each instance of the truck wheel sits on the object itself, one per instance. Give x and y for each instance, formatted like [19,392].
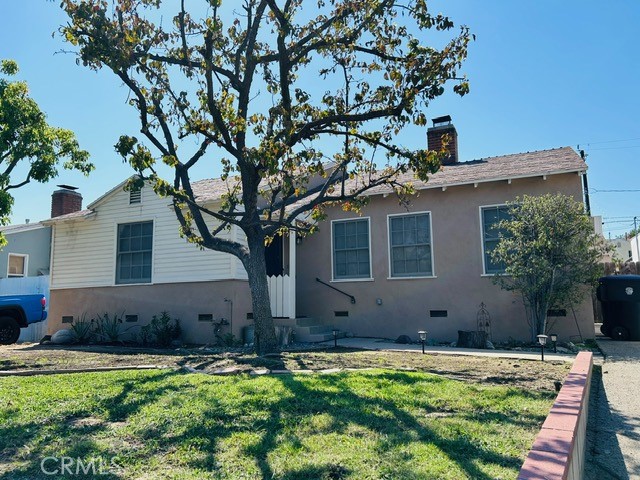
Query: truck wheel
[606,330]
[9,331]
[619,333]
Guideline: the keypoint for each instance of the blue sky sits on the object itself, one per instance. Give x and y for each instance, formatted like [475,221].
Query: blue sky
[543,74]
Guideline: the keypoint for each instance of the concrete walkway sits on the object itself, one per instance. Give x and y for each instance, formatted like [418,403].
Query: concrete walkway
[389,345]
[613,437]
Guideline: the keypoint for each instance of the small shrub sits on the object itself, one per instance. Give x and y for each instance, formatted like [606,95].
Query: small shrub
[145,335]
[83,328]
[229,340]
[165,329]
[108,328]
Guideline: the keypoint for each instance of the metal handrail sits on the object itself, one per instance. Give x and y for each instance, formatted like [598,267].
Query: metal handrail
[353,299]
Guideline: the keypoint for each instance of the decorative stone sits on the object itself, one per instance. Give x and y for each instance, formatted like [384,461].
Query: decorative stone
[331,370]
[64,337]
[404,339]
[489,345]
[227,371]
[260,371]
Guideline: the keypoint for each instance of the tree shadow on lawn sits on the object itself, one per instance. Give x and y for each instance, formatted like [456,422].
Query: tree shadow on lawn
[272,417]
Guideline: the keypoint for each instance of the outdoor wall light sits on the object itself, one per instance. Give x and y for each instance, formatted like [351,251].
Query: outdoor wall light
[554,339]
[542,340]
[423,338]
[335,337]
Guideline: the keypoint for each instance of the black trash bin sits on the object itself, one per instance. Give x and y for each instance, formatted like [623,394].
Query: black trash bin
[619,296]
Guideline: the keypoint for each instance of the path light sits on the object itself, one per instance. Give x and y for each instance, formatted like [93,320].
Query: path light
[335,337]
[423,338]
[542,340]
[554,339]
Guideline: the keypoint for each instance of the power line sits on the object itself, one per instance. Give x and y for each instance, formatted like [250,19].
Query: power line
[614,148]
[610,141]
[594,190]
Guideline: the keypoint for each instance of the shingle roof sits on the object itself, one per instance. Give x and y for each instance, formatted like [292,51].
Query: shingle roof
[69,216]
[517,165]
[212,188]
[23,227]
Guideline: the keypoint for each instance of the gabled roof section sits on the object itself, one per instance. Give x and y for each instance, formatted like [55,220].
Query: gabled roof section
[113,191]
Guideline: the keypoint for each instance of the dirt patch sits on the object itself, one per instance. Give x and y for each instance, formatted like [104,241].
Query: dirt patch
[530,374]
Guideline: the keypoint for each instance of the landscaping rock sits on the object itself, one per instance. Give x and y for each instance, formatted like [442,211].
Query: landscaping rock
[404,339]
[563,350]
[453,344]
[571,346]
[489,345]
[64,337]
[260,371]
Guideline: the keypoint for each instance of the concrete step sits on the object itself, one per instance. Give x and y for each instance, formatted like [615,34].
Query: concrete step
[296,322]
[317,337]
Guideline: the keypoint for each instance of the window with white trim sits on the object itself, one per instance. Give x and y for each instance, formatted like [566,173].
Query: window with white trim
[410,245]
[351,258]
[17,265]
[135,245]
[491,234]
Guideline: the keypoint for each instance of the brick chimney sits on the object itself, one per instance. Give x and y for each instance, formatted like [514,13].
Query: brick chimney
[442,126]
[66,200]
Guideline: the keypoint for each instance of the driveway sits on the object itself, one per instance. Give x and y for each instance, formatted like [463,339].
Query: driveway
[613,438]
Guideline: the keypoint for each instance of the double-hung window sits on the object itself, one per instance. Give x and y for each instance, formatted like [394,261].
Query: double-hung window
[410,245]
[491,234]
[135,245]
[351,255]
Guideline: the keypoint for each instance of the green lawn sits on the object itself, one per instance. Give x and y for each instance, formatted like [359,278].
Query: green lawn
[165,424]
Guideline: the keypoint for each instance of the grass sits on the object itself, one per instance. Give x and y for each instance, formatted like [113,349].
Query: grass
[358,425]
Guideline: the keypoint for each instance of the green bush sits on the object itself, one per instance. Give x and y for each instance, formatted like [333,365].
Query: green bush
[83,328]
[165,329]
[108,328]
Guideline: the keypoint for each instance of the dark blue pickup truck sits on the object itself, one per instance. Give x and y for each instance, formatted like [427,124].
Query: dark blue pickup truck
[19,311]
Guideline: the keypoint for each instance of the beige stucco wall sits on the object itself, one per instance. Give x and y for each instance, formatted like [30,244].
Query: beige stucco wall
[181,300]
[458,287]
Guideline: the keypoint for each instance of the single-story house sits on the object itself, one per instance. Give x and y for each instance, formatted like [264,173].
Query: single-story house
[394,269]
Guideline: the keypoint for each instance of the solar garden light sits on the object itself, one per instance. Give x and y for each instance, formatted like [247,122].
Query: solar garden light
[554,339]
[542,340]
[335,337]
[423,338]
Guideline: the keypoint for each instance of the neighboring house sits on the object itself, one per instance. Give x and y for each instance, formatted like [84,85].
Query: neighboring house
[634,244]
[422,266]
[27,252]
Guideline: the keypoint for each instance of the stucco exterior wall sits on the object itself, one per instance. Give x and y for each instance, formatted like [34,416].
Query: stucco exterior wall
[36,243]
[182,300]
[458,285]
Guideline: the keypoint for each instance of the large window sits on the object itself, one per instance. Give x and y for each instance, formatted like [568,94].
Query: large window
[491,217]
[351,257]
[17,265]
[410,245]
[135,242]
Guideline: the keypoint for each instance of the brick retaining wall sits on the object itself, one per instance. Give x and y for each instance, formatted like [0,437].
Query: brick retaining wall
[559,449]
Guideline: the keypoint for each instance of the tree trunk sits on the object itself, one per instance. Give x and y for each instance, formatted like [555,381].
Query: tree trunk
[265,337]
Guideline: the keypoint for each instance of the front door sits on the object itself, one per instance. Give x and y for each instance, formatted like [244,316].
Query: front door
[273,256]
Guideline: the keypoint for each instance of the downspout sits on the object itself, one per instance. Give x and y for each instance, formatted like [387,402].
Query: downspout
[585,186]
